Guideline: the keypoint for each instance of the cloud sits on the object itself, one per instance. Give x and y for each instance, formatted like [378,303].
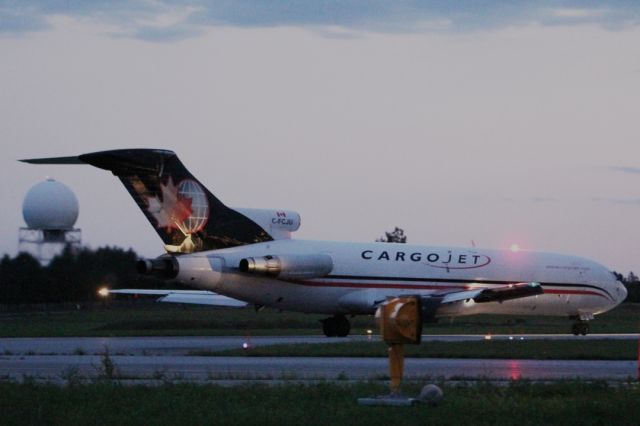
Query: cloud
[172,20]
[632,170]
[619,201]
[16,20]
[164,23]
[163,34]
[576,13]
[625,201]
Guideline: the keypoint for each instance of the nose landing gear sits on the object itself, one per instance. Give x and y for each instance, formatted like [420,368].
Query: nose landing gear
[336,326]
[580,328]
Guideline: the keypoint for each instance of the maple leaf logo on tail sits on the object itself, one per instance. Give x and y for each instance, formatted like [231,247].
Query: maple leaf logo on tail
[174,208]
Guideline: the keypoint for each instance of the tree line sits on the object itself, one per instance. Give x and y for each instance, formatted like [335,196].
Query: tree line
[73,276]
[632,284]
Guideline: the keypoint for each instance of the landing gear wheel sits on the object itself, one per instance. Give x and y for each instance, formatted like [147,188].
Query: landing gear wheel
[584,330]
[336,326]
[343,326]
[329,327]
[580,328]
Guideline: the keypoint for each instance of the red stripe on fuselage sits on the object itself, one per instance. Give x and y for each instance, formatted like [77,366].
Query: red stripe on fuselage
[378,285]
[361,285]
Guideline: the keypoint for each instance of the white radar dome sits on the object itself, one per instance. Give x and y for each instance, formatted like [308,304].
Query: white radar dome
[50,205]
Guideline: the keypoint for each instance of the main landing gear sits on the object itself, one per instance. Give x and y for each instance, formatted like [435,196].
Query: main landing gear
[579,328]
[336,326]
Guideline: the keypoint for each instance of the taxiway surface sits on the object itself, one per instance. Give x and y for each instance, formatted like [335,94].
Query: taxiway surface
[147,358]
[49,367]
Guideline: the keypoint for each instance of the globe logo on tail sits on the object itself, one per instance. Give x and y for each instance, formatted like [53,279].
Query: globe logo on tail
[184,207]
[190,189]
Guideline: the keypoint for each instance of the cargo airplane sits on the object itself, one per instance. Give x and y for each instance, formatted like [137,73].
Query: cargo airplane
[235,256]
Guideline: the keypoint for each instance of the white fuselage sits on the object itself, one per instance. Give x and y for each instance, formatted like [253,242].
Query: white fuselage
[364,274]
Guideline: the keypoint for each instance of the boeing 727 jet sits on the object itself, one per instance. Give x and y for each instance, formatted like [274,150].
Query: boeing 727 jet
[249,255]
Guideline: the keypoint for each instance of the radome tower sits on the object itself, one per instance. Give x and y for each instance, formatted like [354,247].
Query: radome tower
[50,210]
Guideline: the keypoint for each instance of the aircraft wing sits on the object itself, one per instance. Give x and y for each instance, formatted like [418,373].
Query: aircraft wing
[433,302]
[370,299]
[495,294]
[194,297]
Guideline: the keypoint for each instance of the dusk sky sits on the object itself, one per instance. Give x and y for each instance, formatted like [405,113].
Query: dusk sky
[491,121]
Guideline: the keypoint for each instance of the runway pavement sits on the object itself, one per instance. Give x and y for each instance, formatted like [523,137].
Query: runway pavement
[51,367]
[144,358]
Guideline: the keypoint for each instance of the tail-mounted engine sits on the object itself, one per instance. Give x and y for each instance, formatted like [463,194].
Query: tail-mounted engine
[163,267]
[288,266]
[195,271]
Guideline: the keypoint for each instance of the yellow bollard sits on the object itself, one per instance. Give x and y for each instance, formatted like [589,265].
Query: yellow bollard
[396,366]
[400,322]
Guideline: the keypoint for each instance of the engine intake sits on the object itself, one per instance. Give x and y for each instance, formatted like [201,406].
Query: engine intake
[288,266]
[163,267]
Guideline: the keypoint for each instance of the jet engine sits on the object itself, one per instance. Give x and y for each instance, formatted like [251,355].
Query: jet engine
[288,266]
[195,271]
[163,267]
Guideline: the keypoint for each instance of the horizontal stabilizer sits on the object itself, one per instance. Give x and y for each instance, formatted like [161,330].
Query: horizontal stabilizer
[54,160]
[209,300]
[192,297]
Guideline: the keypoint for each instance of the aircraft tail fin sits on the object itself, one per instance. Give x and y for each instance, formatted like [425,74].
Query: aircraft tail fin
[185,214]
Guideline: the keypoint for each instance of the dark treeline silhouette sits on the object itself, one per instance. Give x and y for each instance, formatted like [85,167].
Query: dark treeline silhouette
[632,283]
[395,236]
[73,276]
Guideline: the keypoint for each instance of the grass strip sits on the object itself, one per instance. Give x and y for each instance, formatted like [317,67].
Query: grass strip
[172,320]
[520,403]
